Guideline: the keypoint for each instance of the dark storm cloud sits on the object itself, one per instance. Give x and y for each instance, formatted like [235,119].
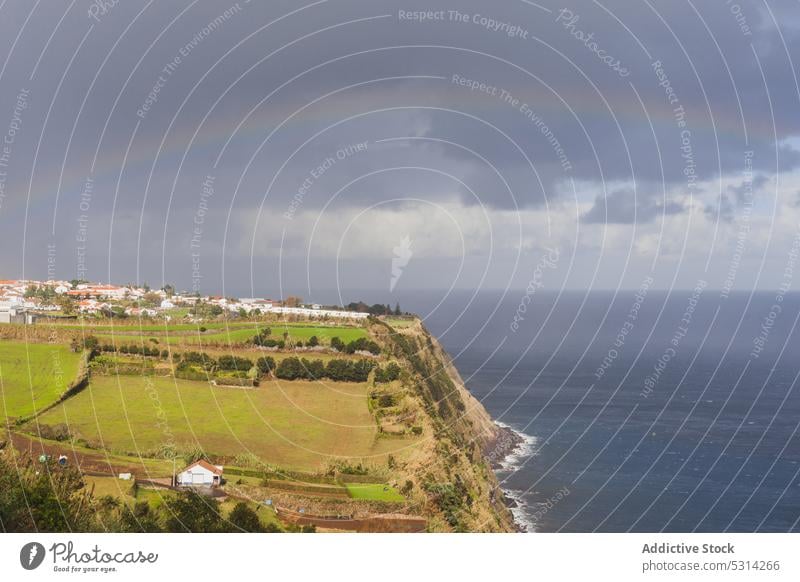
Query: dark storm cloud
[159,92]
[735,198]
[626,207]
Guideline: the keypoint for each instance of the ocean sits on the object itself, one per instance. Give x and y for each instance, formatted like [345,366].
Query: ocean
[641,411]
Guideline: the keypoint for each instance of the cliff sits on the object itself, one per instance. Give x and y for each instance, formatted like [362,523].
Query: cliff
[450,468]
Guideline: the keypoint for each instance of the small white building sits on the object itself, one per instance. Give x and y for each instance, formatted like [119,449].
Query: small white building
[167,304]
[200,474]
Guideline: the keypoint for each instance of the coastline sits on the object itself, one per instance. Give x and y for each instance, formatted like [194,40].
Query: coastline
[505,453]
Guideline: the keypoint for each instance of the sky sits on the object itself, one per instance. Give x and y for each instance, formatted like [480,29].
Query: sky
[340,149]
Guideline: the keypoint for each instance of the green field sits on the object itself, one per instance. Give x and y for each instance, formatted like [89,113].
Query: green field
[91,327]
[234,335]
[399,322]
[33,376]
[374,492]
[297,425]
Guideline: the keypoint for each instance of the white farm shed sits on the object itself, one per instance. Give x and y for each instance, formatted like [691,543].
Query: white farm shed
[200,474]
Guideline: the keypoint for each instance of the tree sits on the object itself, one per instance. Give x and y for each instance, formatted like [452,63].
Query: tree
[293,301]
[314,369]
[313,341]
[337,344]
[290,369]
[397,309]
[262,337]
[243,518]
[230,363]
[265,365]
[139,518]
[338,370]
[363,344]
[388,374]
[43,497]
[169,289]
[151,299]
[191,512]
[66,304]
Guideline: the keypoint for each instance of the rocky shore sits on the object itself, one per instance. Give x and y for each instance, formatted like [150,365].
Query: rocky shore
[505,443]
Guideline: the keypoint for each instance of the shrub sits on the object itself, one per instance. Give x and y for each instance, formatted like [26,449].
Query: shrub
[228,362]
[363,344]
[290,369]
[57,432]
[262,337]
[199,358]
[314,369]
[265,365]
[387,374]
[313,341]
[243,518]
[191,512]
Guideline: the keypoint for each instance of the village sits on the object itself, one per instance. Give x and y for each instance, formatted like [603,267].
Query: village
[25,301]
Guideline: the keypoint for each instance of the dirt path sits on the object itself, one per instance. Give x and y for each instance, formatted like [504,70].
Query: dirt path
[84,462]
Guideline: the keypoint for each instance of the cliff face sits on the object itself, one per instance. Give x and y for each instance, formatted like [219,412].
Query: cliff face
[453,477]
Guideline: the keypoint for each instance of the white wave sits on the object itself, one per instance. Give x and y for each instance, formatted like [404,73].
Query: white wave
[520,454]
[521,513]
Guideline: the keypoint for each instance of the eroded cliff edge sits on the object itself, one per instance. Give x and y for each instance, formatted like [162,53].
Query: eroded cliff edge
[451,468]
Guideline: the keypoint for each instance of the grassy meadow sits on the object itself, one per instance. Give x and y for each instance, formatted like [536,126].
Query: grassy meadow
[33,376]
[296,425]
[374,492]
[238,334]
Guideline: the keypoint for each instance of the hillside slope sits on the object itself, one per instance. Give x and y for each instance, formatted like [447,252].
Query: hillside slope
[451,471]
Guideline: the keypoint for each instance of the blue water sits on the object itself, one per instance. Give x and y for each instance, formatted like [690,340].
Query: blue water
[711,446]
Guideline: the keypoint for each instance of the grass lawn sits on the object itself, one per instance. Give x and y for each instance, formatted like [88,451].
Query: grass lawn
[33,376]
[155,497]
[296,425]
[234,335]
[109,486]
[399,323]
[374,492]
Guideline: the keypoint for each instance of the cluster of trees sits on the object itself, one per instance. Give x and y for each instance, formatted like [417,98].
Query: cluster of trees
[36,497]
[206,310]
[375,309]
[234,363]
[335,370]
[140,350]
[265,365]
[362,344]
[262,338]
[388,374]
[45,292]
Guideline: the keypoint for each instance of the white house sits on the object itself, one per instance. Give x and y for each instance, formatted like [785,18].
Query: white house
[15,313]
[167,304]
[200,474]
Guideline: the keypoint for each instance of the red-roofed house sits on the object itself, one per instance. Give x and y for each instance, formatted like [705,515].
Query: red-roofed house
[200,474]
